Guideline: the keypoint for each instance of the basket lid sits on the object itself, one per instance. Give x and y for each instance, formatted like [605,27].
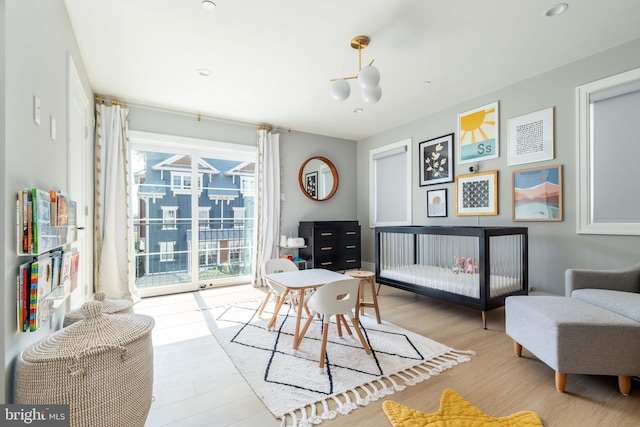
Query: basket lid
[109,306]
[96,331]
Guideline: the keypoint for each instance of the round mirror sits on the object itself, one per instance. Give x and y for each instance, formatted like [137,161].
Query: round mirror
[318,178]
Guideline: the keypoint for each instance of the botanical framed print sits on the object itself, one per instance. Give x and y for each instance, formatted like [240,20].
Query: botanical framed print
[531,137]
[478,134]
[437,203]
[537,194]
[477,194]
[311,183]
[436,160]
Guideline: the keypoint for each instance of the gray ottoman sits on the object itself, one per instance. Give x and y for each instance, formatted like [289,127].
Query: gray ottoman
[574,337]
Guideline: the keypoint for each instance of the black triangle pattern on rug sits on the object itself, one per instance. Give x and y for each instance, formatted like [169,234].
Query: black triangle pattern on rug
[281,349]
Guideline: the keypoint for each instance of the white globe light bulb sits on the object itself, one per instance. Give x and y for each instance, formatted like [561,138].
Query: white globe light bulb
[339,90]
[371,96]
[369,77]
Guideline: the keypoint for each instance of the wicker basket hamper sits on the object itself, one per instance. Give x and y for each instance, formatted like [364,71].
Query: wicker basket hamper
[101,366]
[109,306]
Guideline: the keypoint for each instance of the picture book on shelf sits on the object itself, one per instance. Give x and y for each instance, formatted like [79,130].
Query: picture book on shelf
[63,210]
[75,264]
[33,297]
[41,205]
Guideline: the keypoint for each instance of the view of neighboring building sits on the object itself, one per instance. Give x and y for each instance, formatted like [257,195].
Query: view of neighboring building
[170,209]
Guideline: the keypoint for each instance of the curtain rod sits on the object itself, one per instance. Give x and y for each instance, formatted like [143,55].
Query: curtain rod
[199,116]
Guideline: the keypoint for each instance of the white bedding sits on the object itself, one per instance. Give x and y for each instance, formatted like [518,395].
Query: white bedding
[445,279]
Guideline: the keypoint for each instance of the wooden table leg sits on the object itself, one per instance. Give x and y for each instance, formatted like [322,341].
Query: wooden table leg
[296,334]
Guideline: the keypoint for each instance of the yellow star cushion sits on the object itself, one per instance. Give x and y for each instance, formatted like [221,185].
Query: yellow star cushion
[455,412]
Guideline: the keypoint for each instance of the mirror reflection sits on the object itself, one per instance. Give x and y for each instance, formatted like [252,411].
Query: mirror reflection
[318,178]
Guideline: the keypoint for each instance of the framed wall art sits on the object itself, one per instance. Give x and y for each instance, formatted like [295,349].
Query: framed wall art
[436,160]
[477,194]
[311,183]
[478,134]
[537,194]
[531,137]
[437,203]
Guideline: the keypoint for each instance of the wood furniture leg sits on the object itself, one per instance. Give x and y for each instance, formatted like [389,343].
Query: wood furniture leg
[517,349]
[338,325]
[367,350]
[344,322]
[279,303]
[624,384]
[264,303]
[323,349]
[296,335]
[561,381]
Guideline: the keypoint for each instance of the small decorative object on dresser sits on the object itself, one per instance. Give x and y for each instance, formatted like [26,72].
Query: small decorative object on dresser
[334,245]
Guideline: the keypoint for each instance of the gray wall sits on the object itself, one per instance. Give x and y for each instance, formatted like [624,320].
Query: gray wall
[553,246]
[37,39]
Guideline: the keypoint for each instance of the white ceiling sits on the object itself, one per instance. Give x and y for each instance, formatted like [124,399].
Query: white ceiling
[271,60]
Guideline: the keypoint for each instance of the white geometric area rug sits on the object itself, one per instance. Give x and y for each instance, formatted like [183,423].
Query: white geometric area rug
[289,381]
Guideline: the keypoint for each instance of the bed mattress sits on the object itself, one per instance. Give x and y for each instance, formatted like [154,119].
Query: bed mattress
[445,279]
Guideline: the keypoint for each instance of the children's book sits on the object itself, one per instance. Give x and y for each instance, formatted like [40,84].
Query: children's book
[53,203]
[33,297]
[41,206]
[75,264]
[25,290]
[71,212]
[63,211]
[65,279]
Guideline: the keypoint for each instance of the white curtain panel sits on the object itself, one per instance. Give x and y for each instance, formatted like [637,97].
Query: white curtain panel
[268,202]
[111,194]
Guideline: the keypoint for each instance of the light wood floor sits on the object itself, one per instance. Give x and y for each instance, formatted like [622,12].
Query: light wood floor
[197,385]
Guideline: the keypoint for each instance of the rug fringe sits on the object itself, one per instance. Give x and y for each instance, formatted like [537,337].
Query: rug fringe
[375,390]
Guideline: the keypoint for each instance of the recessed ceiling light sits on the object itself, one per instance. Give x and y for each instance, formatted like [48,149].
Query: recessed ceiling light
[204,72]
[208,5]
[557,9]
[358,110]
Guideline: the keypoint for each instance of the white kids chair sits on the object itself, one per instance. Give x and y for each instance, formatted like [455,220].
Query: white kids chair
[277,265]
[339,299]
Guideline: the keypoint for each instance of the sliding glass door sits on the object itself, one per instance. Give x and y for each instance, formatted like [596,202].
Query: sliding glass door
[192,215]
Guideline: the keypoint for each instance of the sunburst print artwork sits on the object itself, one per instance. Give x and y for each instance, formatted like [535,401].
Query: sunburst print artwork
[478,134]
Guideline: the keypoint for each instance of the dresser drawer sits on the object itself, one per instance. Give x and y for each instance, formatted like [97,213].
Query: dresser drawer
[352,247]
[325,233]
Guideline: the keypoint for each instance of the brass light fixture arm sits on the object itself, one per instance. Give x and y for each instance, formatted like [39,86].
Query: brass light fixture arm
[359,42]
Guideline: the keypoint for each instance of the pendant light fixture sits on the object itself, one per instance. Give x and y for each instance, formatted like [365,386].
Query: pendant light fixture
[368,78]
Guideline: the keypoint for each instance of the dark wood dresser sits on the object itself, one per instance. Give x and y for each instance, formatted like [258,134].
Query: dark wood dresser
[334,245]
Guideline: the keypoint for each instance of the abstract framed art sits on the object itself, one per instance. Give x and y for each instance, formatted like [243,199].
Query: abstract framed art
[537,194]
[437,203]
[531,137]
[477,194]
[436,160]
[478,134]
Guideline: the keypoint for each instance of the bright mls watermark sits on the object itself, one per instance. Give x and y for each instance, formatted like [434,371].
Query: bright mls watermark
[34,415]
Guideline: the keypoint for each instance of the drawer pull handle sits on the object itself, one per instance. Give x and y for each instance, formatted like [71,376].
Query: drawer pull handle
[351,260]
[350,232]
[326,234]
[326,263]
[350,246]
[326,248]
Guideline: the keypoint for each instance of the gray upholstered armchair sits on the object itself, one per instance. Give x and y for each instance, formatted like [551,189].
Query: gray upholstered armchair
[624,279]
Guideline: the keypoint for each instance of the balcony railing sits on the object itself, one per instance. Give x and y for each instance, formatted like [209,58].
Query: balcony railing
[163,250]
